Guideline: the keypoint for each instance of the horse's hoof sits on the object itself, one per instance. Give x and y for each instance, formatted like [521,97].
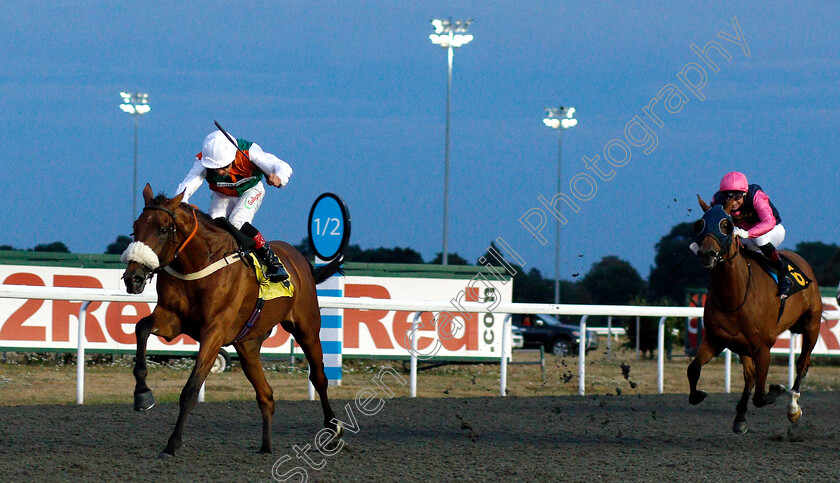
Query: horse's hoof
[794,417]
[774,392]
[339,430]
[696,398]
[165,456]
[740,427]
[264,451]
[144,401]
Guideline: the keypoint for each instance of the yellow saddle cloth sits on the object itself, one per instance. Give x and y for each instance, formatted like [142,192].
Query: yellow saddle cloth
[270,290]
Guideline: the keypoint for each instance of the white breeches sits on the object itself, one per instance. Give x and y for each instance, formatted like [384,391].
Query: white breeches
[237,209]
[775,236]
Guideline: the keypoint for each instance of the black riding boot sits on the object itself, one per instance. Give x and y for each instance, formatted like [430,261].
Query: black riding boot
[780,266]
[274,269]
[784,279]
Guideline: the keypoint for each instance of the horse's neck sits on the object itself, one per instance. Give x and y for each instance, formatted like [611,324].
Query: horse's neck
[730,279]
[207,246]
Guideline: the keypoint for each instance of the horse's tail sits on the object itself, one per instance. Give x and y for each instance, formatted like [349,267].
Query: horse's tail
[326,271]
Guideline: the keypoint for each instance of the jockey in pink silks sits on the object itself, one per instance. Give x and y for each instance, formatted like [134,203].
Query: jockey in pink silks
[757,221]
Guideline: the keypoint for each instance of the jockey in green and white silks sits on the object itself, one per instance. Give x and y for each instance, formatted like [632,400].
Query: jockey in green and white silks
[235,178]
[237,192]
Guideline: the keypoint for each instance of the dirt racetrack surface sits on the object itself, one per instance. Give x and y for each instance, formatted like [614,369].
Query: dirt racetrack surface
[591,438]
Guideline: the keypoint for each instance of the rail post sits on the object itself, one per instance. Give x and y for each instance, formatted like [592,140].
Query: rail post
[791,355]
[503,358]
[80,356]
[660,356]
[582,355]
[413,378]
[727,370]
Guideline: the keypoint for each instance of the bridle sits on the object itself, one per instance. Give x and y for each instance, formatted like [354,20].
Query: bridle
[725,243]
[170,235]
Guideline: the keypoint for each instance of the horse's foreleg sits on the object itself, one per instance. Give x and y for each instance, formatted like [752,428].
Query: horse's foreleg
[762,366]
[207,352]
[809,340]
[740,424]
[249,357]
[705,353]
[164,324]
[143,397]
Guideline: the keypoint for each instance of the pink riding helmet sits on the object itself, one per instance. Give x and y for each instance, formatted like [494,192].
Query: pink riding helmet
[734,181]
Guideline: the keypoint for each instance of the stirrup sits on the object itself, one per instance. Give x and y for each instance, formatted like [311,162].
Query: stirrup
[277,274]
[784,286]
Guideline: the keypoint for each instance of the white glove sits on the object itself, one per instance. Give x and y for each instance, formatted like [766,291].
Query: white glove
[740,232]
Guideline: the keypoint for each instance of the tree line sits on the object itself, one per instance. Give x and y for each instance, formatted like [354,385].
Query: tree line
[610,281]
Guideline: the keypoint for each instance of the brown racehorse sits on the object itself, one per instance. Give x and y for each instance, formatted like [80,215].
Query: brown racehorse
[742,314]
[214,309]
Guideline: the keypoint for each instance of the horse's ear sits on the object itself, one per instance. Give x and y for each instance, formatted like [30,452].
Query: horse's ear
[728,206]
[703,204]
[177,200]
[148,195]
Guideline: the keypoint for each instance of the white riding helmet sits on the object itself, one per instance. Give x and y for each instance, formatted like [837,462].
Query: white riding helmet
[217,151]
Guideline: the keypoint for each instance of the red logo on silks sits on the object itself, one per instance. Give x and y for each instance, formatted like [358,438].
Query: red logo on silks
[253,199]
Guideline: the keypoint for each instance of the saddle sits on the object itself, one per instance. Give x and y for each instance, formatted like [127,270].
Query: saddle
[246,246]
[798,280]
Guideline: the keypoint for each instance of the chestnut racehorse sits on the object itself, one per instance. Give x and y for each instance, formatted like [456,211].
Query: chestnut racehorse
[214,309]
[742,314]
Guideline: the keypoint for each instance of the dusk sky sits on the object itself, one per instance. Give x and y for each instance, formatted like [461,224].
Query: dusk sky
[352,95]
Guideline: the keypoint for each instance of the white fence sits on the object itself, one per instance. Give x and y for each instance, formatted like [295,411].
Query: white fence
[93,295]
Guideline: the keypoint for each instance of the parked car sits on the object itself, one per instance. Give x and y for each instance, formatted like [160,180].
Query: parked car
[557,337]
[516,336]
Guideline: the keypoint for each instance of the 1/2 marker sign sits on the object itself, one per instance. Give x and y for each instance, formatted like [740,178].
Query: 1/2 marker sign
[329,226]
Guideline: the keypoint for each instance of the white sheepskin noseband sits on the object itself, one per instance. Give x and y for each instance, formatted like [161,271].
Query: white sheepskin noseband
[141,253]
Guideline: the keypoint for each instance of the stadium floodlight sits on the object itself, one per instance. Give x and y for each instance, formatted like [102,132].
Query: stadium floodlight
[557,118]
[136,104]
[449,35]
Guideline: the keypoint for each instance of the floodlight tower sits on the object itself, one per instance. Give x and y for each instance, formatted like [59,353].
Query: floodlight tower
[449,35]
[135,104]
[559,119]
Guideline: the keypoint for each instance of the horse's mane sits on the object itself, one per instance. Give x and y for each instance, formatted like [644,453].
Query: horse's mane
[161,198]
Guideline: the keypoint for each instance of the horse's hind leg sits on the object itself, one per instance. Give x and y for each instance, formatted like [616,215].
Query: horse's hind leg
[762,365]
[809,340]
[705,353]
[311,345]
[249,357]
[740,424]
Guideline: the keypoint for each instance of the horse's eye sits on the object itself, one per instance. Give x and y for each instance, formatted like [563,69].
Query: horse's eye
[698,226]
[162,231]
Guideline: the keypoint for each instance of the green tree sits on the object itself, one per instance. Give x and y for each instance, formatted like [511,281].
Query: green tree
[54,247]
[382,255]
[119,245]
[824,259]
[452,259]
[304,248]
[675,267]
[613,281]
